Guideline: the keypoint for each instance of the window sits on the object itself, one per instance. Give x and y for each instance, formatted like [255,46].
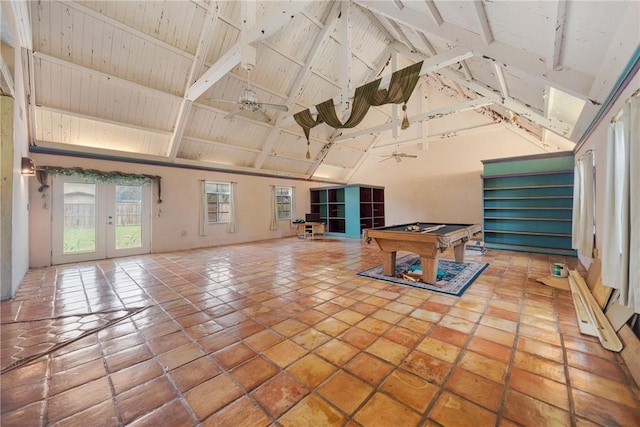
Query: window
[218,201]
[283,202]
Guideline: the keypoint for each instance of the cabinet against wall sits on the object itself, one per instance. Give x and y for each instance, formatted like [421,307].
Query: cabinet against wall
[347,210]
[527,203]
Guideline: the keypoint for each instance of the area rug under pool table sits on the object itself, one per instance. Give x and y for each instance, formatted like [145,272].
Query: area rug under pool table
[452,278]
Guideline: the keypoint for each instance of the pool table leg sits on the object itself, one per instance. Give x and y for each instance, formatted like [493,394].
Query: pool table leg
[429,269]
[389,263]
[458,251]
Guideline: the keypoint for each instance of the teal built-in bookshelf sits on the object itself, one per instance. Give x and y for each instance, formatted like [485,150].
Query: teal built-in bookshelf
[527,203]
[348,209]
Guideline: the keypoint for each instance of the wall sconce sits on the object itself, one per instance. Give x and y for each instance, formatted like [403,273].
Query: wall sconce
[28,167]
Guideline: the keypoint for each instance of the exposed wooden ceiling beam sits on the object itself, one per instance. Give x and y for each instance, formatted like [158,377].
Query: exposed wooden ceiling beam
[501,81]
[456,133]
[574,81]
[485,30]
[378,24]
[432,51]
[382,64]
[267,26]
[434,13]
[553,59]
[174,49]
[204,41]
[517,107]
[345,53]
[430,64]
[111,79]
[441,112]
[466,70]
[202,4]
[17,16]
[401,35]
[319,43]
[440,137]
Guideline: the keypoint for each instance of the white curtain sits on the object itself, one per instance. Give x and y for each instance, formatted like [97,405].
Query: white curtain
[583,205]
[274,209]
[204,215]
[231,225]
[621,221]
[293,207]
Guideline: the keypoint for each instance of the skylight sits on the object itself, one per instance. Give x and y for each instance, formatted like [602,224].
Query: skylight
[564,107]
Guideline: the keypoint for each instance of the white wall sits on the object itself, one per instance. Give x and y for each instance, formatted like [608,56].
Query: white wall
[179,210]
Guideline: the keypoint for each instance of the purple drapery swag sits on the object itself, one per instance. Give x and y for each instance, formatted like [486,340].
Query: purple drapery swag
[401,86]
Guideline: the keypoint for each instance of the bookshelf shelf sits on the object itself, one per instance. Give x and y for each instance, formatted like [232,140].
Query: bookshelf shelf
[349,209]
[527,203]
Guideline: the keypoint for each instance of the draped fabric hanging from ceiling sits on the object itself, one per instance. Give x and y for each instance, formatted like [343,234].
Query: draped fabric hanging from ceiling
[402,84]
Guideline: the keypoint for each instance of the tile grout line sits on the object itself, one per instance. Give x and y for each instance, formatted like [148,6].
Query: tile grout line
[184,294]
[210,356]
[514,348]
[565,359]
[47,385]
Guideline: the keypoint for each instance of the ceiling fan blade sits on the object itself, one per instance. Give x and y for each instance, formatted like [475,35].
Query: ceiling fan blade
[226,101]
[275,107]
[385,159]
[233,113]
[263,116]
[410,156]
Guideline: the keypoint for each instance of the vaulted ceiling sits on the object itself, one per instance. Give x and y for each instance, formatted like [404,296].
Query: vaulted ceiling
[157,80]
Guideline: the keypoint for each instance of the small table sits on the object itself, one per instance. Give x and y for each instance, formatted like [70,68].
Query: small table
[310,228]
[428,242]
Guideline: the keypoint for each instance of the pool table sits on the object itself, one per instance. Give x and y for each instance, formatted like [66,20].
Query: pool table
[423,238]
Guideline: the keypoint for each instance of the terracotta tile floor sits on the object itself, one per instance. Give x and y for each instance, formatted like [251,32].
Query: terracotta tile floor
[285,333]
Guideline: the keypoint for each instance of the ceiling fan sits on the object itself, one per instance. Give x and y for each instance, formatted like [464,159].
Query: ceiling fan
[398,156]
[249,100]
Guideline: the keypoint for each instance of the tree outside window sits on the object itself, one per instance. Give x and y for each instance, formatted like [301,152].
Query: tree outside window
[283,202]
[218,201]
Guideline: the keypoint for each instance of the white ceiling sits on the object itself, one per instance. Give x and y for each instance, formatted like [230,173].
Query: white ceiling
[140,79]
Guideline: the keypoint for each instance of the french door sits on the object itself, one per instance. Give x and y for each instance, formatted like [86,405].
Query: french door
[92,220]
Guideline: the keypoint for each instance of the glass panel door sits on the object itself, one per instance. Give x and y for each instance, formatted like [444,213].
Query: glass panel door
[93,221]
[127,224]
[128,216]
[76,217]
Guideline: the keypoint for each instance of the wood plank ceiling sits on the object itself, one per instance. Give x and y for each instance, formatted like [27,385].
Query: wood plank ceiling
[144,79]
